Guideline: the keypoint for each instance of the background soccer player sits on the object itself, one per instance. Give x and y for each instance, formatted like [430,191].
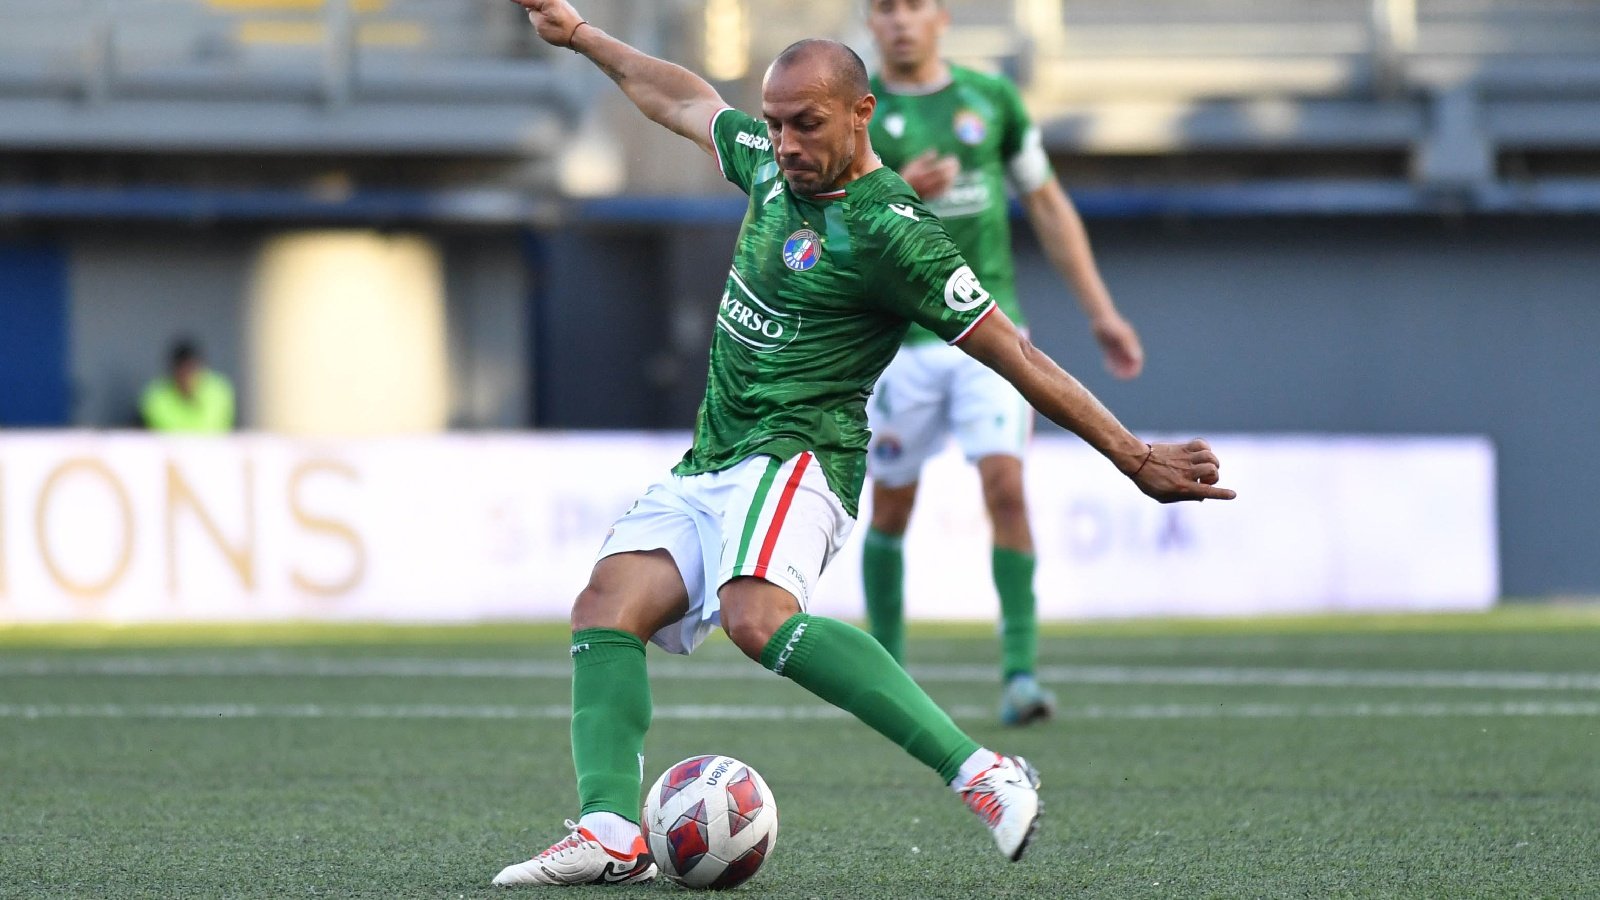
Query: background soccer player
[835,255]
[958,137]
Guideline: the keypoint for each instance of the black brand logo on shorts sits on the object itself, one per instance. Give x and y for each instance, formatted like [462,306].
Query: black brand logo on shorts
[800,579]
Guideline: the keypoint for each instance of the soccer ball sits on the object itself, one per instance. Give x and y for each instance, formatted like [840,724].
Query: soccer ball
[711,822]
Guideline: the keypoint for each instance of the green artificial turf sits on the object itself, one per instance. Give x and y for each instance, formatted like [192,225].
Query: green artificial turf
[300,761]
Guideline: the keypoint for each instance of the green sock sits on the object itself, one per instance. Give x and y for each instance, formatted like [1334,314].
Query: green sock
[610,714]
[883,569]
[1019,619]
[843,665]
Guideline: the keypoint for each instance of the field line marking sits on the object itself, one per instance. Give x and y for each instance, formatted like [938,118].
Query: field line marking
[265,666]
[710,712]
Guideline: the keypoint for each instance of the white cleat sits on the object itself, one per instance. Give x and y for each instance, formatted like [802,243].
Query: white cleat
[1006,797]
[580,858]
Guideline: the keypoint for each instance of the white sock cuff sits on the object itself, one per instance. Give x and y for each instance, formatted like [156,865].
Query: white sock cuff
[981,759]
[614,832]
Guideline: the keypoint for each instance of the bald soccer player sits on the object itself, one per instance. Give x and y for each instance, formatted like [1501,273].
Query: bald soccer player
[835,258]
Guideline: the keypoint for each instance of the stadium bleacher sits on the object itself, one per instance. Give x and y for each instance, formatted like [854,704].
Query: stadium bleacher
[386,76]
[1456,83]
[1326,105]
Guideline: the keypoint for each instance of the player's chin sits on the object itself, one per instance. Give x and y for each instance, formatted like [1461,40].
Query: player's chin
[802,182]
[910,59]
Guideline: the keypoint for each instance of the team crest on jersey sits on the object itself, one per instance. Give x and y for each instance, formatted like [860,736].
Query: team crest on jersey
[895,124]
[970,127]
[802,250]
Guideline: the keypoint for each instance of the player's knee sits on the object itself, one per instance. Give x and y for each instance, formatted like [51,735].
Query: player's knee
[1008,506]
[891,521]
[592,609]
[749,633]
[752,612]
[891,509]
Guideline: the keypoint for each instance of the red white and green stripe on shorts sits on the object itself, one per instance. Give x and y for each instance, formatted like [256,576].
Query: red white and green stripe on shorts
[769,507]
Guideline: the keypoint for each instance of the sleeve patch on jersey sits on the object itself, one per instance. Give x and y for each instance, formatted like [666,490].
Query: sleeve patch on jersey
[1029,170]
[753,141]
[962,292]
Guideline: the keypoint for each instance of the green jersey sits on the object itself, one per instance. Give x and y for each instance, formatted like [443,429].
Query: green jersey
[817,302]
[980,120]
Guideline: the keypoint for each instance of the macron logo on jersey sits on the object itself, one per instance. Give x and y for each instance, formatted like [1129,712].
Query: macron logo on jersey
[753,141]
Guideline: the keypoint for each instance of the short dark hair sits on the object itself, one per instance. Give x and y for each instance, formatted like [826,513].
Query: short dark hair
[185,350]
[848,74]
[871,3]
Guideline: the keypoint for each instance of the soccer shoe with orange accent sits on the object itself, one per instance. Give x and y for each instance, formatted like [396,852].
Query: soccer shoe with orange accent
[580,858]
[1006,797]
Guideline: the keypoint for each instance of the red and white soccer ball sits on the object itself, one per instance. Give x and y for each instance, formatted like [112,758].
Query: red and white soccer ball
[711,822]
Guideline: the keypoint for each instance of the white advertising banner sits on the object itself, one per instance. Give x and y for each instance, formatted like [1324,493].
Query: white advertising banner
[133,527]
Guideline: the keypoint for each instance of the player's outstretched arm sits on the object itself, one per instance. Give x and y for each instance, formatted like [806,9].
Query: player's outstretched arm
[1167,472]
[667,94]
[1066,242]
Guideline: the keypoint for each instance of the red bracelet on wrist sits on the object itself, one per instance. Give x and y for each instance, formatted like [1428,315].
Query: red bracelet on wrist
[1149,452]
[574,33]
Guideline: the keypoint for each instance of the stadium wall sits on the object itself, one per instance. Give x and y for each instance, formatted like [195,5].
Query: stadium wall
[131,293]
[34,391]
[127,527]
[1483,326]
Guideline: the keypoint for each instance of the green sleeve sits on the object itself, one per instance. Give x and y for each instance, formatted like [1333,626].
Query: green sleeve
[1016,121]
[1021,145]
[742,147]
[918,273]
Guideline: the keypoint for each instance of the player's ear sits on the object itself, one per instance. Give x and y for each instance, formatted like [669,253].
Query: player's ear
[864,109]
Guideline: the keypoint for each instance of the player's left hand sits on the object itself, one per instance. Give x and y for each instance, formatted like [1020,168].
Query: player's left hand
[554,20]
[1120,344]
[1174,472]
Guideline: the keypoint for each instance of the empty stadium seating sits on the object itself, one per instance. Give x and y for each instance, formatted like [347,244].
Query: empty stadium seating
[1447,94]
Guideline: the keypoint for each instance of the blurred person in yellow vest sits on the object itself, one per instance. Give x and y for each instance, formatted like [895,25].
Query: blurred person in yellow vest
[190,398]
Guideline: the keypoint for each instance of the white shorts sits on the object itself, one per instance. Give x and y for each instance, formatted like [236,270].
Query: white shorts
[776,521]
[930,392]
